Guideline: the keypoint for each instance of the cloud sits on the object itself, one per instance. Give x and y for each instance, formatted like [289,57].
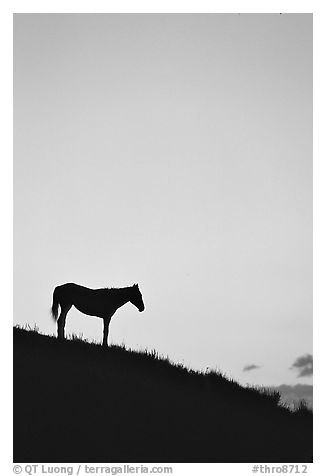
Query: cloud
[246,368]
[304,365]
[293,394]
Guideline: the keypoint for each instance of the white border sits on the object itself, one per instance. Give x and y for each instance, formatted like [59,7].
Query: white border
[160,6]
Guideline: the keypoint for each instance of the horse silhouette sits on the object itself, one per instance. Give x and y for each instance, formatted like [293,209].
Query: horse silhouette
[94,302]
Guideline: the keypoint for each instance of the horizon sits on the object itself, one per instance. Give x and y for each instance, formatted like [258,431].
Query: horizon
[85,340]
[290,395]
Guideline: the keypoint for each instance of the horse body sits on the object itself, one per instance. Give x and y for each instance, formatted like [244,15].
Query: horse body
[101,303]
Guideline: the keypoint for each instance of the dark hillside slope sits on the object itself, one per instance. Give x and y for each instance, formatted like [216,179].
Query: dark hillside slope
[77,402]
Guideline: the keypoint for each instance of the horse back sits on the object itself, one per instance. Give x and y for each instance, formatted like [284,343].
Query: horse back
[89,301]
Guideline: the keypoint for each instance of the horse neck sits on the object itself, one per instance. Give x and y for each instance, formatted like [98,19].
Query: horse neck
[123,295]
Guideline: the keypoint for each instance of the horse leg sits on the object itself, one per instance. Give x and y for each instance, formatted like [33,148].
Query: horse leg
[62,321]
[106,323]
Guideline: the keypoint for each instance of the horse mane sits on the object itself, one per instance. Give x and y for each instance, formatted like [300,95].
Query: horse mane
[114,288]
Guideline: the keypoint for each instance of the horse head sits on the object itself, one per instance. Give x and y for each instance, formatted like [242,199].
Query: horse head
[136,298]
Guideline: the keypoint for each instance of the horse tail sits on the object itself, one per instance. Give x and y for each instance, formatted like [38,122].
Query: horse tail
[55,304]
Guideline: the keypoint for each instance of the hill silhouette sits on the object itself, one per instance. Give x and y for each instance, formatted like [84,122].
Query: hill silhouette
[77,402]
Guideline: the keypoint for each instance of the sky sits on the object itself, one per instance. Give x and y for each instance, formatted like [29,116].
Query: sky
[173,151]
